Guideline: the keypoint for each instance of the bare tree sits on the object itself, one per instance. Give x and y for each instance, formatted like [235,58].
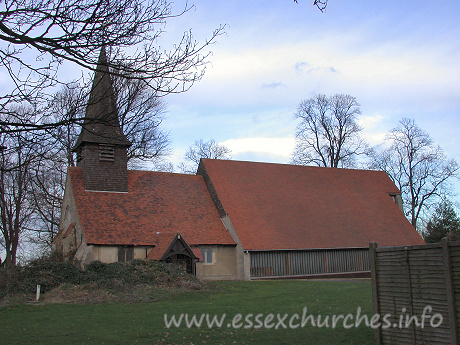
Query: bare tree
[16,203]
[203,149]
[328,134]
[65,105]
[418,168]
[47,188]
[36,37]
[141,114]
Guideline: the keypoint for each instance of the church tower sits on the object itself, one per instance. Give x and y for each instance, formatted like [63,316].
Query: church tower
[102,147]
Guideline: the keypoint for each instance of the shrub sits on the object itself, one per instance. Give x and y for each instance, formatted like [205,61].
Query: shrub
[47,274]
[114,276]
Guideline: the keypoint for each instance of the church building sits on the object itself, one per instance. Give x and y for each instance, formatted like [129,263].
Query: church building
[232,220]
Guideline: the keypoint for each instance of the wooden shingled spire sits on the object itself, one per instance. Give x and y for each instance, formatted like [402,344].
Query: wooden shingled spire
[101,124]
[102,146]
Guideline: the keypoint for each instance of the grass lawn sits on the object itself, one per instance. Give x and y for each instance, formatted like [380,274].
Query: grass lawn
[144,323]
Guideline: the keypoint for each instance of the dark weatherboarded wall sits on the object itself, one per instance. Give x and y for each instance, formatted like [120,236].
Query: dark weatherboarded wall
[286,263]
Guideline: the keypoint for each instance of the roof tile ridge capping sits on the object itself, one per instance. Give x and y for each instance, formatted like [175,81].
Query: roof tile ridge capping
[300,166]
[201,171]
[236,161]
[101,123]
[140,171]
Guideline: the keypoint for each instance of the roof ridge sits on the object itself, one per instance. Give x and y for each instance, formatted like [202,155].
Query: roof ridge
[161,172]
[227,161]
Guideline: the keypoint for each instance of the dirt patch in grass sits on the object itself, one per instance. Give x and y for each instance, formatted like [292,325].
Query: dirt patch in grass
[85,293]
[94,293]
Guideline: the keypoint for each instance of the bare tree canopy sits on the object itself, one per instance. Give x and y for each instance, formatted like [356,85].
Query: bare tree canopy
[203,149]
[328,134]
[419,169]
[36,37]
[41,159]
[16,199]
[140,113]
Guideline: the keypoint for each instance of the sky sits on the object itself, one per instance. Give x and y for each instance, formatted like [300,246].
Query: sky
[398,58]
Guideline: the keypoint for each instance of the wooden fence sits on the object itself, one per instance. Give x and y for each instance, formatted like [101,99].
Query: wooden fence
[417,290]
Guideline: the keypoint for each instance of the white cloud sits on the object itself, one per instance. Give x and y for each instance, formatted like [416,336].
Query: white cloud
[272,85]
[373,130]
[277,147]
[300,66]
[294,71]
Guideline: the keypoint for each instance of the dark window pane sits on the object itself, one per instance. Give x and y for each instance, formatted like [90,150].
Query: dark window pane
[121,254]
[129,253]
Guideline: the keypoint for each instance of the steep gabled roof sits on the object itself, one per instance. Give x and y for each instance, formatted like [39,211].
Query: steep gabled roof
[156,203]
[168,246]
[101,124]
[280,206]
[162,244]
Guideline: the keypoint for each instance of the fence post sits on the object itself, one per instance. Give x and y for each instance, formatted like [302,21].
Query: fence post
[375,293]
[410,291]
[450,290]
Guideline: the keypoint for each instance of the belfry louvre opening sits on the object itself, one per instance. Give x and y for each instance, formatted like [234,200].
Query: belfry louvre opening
[308,262]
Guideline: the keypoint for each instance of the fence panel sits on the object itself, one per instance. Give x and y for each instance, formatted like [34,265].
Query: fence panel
[411,282]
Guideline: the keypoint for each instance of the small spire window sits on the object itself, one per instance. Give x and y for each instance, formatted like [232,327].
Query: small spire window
[106,153]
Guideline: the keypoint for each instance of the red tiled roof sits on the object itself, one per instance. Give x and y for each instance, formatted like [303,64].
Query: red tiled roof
[162,244]
[280,206]
[164,240]
[155,203]
[197,252]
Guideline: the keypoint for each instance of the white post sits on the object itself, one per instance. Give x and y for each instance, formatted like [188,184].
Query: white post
[37,297]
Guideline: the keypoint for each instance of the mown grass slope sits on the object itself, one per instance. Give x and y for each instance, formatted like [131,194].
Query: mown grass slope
[144,322]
